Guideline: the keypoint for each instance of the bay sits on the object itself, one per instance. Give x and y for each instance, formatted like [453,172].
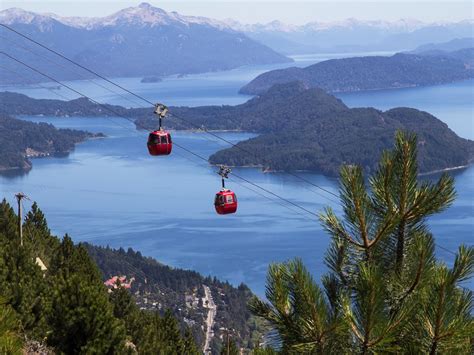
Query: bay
[110,192]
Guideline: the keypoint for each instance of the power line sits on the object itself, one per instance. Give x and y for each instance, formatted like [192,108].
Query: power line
[180,118]
[56,93]
[127,118]
[73,71]
[51,61]
[183,148]
[74,62]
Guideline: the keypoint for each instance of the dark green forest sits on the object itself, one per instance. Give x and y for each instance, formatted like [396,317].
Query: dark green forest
[372,72]
[315,131]
[300,129]
[67,308]
[179,291]
[20,140]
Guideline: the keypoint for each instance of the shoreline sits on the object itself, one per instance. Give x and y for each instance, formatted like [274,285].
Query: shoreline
[454,168]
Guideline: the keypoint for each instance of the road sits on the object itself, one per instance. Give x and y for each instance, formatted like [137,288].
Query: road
[208,302]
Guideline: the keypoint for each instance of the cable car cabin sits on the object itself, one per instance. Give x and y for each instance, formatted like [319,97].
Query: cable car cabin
[159,143]
[225,202]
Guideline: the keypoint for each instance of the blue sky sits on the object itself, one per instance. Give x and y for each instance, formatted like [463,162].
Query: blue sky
[295,12]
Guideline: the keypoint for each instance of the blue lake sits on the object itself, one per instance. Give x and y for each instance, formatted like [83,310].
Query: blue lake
[110,191]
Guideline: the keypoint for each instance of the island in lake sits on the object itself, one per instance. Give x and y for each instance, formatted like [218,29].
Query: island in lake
[374,72]
[151,79]
[21,140]
[299,128]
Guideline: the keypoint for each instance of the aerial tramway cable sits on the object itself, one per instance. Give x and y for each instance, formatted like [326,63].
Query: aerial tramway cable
[58,94]
[183,148]
[129,119]
[72,71]
[180,118]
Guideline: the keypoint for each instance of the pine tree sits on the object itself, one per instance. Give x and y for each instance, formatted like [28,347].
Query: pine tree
[38,235]
[385,291]
[68,305]
[21,280]
[123,303]
[10,342]
[81,315]
[189,343]
[229,347]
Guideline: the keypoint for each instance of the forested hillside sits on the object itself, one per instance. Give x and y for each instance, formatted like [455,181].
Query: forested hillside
[300,128]
[325,135]
[370,73]
[66,307]
[308,129]
[160,287]
[21,140]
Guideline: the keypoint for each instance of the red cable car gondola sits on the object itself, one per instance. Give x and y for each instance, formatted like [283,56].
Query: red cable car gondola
[159,141]
[225,201]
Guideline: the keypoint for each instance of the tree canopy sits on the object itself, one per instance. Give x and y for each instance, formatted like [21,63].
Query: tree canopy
[385,291]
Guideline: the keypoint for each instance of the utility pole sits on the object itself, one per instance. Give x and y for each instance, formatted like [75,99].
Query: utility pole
[19,196]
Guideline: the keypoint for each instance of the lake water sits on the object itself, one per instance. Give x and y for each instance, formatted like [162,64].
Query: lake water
[110,191]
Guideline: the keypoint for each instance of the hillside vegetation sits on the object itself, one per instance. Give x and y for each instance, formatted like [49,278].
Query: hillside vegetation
[321,134]
[21,140]
[385,291]
[300,128]
[158,287]
[68,309]
[370,73]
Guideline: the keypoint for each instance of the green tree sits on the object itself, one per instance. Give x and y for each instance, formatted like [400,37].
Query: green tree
[123,303]
[81,316]
[385,290]
[21,280]
[229,347]
[190,345]
[10,342]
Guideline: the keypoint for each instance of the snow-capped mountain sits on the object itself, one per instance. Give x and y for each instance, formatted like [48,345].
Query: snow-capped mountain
[353,35]
[15,16]
[138,41]
[143,15]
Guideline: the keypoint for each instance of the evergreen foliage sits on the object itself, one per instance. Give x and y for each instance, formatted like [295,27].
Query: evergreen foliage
[371,73]
[181,291]
[299,129]
[67,306]
[10,342]
[229,347]
[19,138]
[385,291]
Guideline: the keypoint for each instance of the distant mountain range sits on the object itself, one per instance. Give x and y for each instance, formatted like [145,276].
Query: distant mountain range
[352,35]
[459,48]
[373,73]
[450,46]
[319,134]
[136,41]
